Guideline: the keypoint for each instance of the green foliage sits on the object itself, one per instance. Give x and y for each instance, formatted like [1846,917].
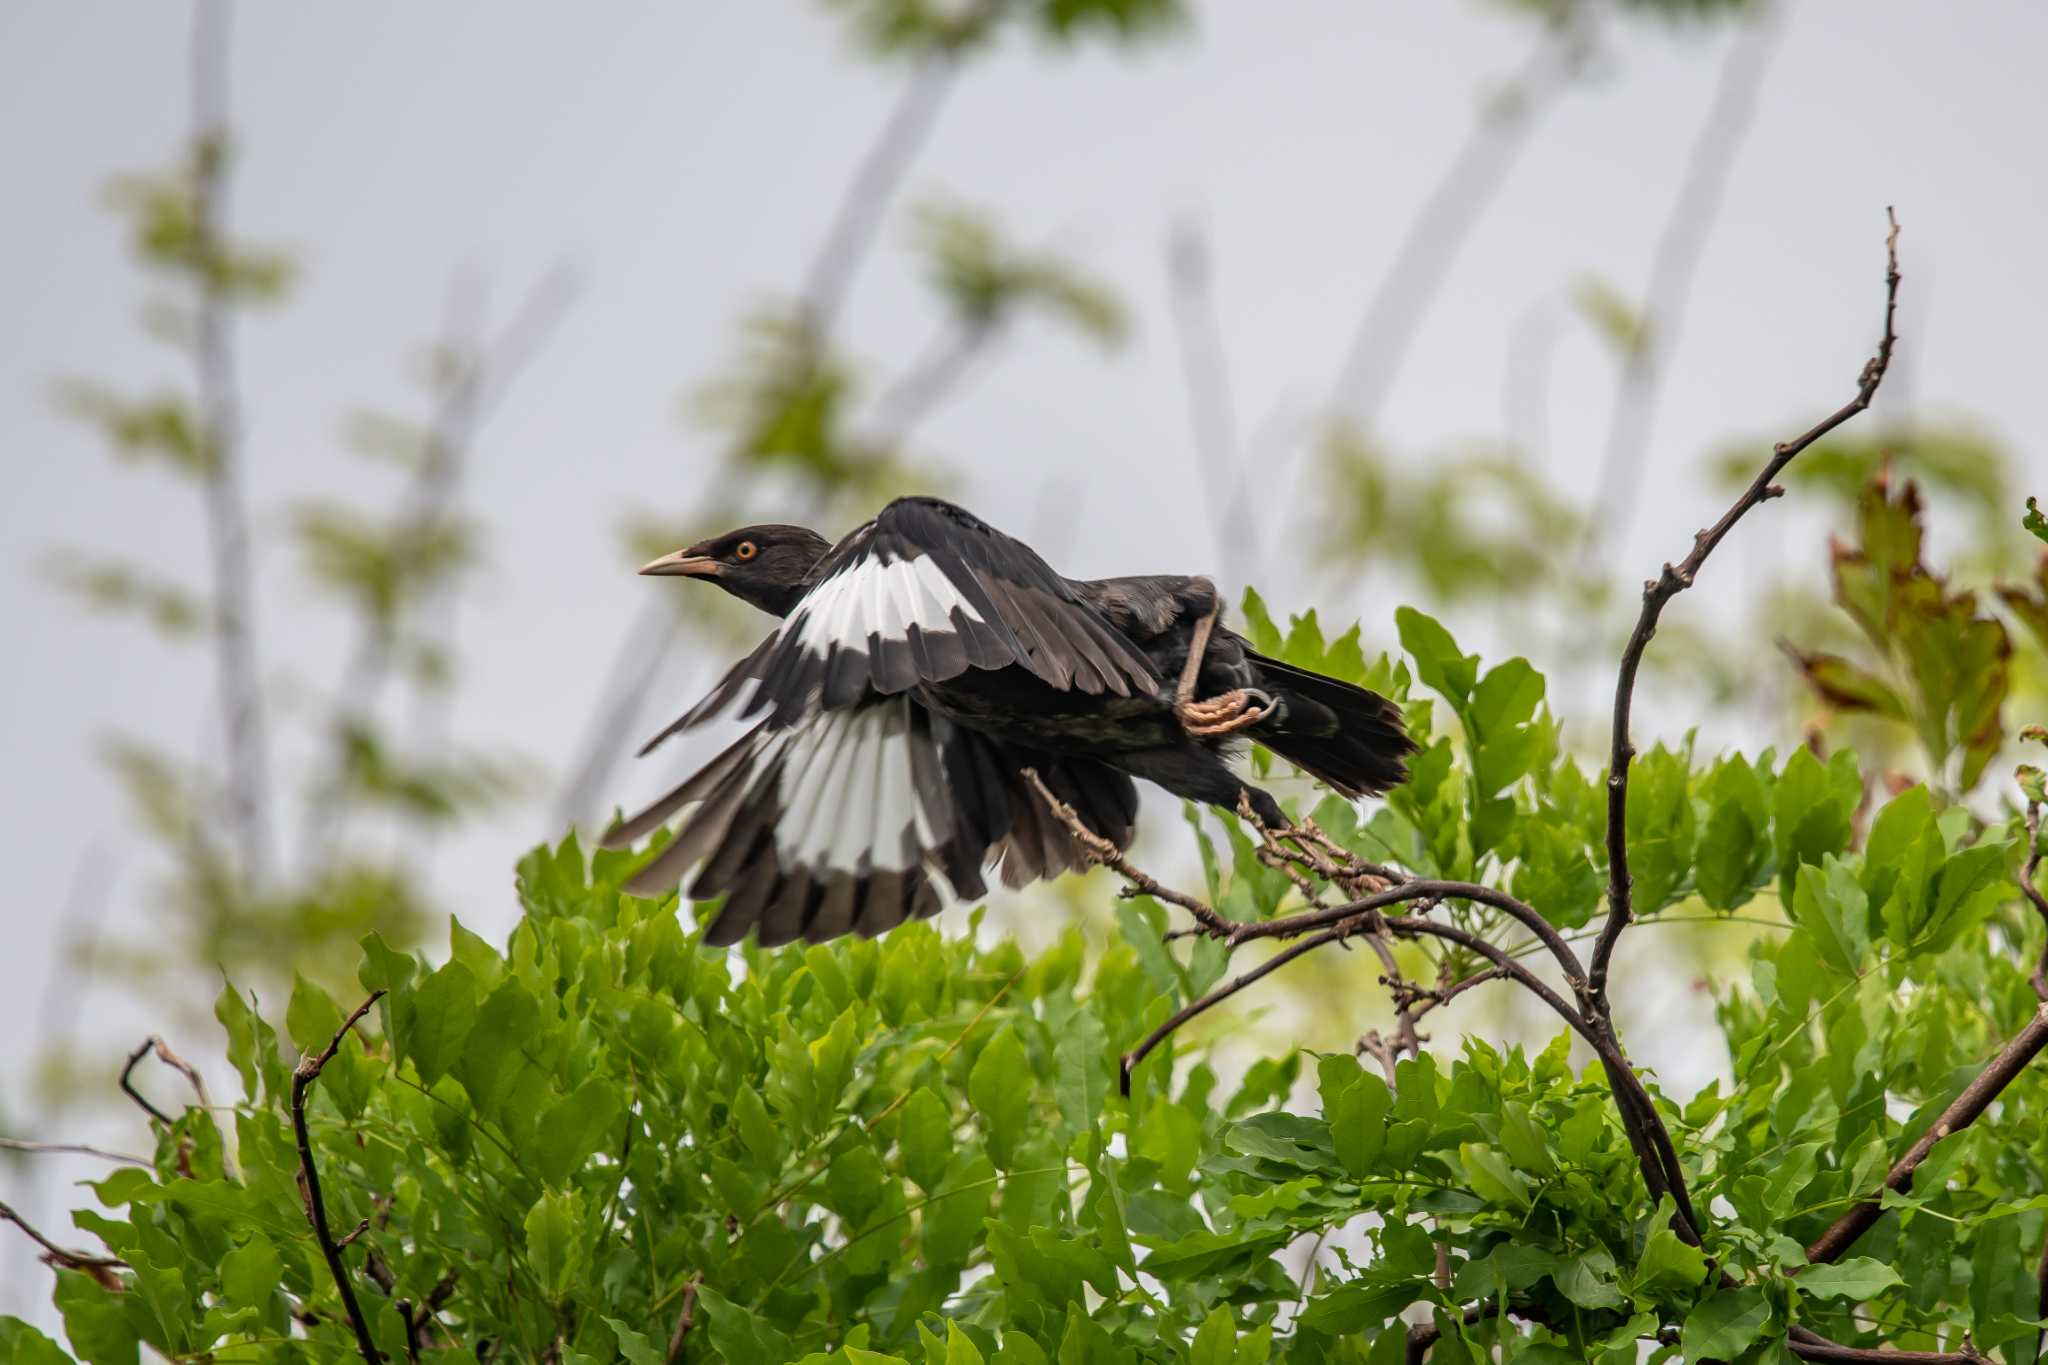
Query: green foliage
[913,1149]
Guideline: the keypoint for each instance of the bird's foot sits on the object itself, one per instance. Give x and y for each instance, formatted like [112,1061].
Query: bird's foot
[1224,714]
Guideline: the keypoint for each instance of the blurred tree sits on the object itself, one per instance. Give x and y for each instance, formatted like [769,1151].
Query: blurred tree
[228,901]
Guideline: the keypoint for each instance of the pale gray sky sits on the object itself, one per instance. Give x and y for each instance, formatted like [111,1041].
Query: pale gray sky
[683,156]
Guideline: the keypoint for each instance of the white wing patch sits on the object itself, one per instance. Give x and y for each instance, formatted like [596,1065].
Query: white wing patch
[881,597]
[850,794]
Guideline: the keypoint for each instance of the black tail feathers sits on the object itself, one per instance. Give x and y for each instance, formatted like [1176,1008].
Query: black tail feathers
[1346,737]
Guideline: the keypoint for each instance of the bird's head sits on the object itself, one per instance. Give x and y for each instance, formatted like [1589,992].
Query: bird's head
[765,566]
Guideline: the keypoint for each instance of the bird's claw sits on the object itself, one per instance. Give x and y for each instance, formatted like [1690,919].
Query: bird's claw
[1224,714]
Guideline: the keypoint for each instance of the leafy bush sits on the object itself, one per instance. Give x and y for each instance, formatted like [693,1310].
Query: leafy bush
[606,1142]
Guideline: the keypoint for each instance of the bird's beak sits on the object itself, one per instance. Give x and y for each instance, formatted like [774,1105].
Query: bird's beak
[684,563]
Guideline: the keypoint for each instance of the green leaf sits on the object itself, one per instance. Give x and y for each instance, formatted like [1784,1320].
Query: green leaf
[1215,1341]
[1858,1278]
[1833,909]
[22,1344]
[251,1273]
[1667,1263]
[924,1135]
[1588,1280]
[434,1021]
[1723,1326]
[1000,1088]
[959,1349]
[1491,1177]
[555,1247]
[1081,1070]
[634,1347]
[1357,1115]
[739,1333]
[1438,662]
[95,1322]
[574,1127]
[2034,521]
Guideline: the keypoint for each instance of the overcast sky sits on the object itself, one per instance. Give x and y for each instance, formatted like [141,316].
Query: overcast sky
[682,158]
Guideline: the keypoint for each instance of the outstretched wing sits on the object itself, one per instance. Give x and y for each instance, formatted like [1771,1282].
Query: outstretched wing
[851,821]
[921,594]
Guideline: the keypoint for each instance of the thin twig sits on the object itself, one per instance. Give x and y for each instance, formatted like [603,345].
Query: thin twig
[71,1260]
[73,1149]
[303,1076]
[1139,882]
[2012,1059]
[684,1321]
[128,1083]
[1673,581]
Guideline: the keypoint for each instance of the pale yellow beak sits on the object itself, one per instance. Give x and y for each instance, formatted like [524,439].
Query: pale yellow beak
[684,563]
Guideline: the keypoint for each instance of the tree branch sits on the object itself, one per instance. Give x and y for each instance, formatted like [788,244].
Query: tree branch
[684,1321]
[1960,1114]
[99,1267]
[168,1058]
[74,1149]
[303,1076]
[1673,581]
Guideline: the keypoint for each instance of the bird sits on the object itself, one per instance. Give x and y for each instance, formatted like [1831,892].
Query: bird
[924,669]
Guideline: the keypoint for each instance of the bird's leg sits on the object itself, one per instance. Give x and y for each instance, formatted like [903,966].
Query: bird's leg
[1227,712]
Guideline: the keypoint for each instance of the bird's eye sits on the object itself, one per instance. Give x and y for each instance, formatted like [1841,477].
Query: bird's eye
[746,549]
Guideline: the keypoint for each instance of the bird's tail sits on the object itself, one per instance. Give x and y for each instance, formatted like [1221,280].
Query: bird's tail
[1345,736]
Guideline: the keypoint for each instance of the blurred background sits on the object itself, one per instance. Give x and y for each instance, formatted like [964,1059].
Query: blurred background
[356,354]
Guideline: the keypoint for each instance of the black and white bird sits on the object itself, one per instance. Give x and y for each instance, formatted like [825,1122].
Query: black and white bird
[922,665]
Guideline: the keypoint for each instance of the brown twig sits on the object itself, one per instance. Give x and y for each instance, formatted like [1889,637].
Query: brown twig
[73,1148]
[1960,1114]
[1673,581]
[128,1082]
[303,1076]
[60,1256]
[1108,855]
[1807,1346]
[684,1321]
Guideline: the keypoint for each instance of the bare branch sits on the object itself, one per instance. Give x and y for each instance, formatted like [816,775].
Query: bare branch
[99,1267]
[303,1076]
[1139,882]
[128,1084]
[1676,580]
[72,1149]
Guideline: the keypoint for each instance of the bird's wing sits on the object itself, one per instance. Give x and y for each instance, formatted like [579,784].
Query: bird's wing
[852,821]
[921,594]
[830,826]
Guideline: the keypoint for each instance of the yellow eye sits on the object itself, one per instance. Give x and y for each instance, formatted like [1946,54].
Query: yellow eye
[746,549]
